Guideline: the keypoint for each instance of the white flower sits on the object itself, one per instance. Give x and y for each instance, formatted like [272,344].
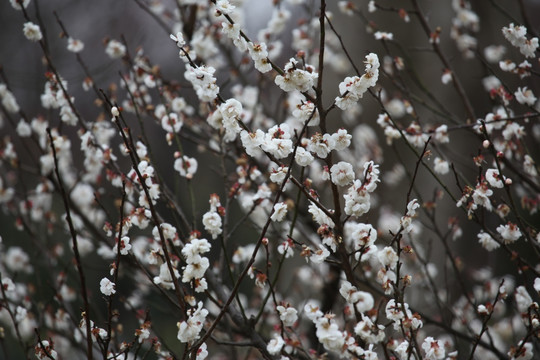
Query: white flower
[189,330]
[525,353]
[312,311]
[75,45]
[318,256]
[171,123]
[17,260]
[203,81]
[319,216]
[287,314]
[364,301]
[434,349]
[8,100]
[381,35]
[353,88]
[481,195]
[537,284]
[307,111]
[406,221]
[321,144]
[286,248]
[23,129]
[178,39]
[106,287]
[525,96]
[440,166]
[493,178]
[487,241]
[252,141]
[509,232]
[257,51]
[528,48]
[388,257]
[125,246]
[278,175]
[115,49]
[44,350]
[362,236]
[357,199]
[224,6]
[341,139]
[295,78]
[212,223]
[515,34]
[329,335]
[165,279]
[494,53]
[19,4]
[195,269]
[32,31]
[275,345]
[277,141]
[342,173]
[523,299]
[195,247]
[186,166]
[303,157]
[280,210]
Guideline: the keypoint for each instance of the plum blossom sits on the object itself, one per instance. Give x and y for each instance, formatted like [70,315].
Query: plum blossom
[165,279]
[195,268]
[318,256]
[203,81]
[487,241]
[186,166]
[516,35]
[107,287]
[434,349]
[369,331]
[277,141]
[280,211]
[115,49]
[388,257]
[189,330]
[525,96]
[406,220]
[171,123]
[19,4]
[275,345]
[481,196]
[509,232]
[493,178]
[212,223]
[342,173]
[353,88]
[307,111]
[287,314]
[32,31]
[75,45]
[440,166]
[329,334]
[321,144]
[224,6]
[295,78]
[303,157]
[319,216]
